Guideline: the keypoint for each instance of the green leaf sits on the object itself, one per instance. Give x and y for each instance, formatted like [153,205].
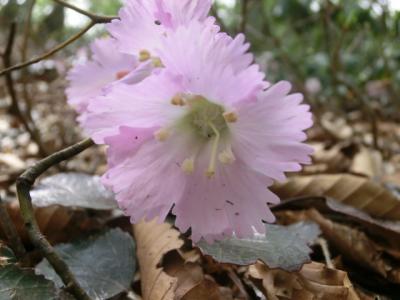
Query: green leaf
[23,284]
[104,265]
[282,247]
[73,189]
[6,255]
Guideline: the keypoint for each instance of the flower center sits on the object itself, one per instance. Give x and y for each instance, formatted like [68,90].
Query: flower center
[205,118]
[208,122]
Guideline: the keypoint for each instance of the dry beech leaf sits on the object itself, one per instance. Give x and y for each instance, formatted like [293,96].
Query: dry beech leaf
[337,158]
[368,162]
[57,223]
[353,244]
[385,230]
[192,283]
[336,126]
[350,189]
[153,240]
[313,281]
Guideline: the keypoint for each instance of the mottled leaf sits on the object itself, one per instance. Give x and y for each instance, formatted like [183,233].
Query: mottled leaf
[104,265]
[73,189]
[282,247]
[22,284]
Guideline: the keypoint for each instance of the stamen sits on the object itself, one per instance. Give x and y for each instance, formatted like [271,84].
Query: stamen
[188,165]
[144,55]
[227,157]
[230,117]
[178,100]
[162,134]
[157,63]
[211,167]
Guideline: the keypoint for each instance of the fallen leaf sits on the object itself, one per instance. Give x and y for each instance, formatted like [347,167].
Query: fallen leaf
[352,190]
[104,265]
[57,223]
[385,230]
[313,281]
[73,189]
[192,283]
[368,162]
[12,161]
[281,247]
[353,244]
[17,283]
[153,240]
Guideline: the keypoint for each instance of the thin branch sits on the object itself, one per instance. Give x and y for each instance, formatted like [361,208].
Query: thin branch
[24,185]
[49,53]
[10,231]
[24,52]
[94,17]
[15,109]
[27,29]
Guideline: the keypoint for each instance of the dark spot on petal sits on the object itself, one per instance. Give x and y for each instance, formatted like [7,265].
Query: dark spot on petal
[229,202]
[237,214]
[157,22]
[218,209]
[136,137]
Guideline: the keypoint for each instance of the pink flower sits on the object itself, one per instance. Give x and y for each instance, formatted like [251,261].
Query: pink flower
[89,80]
[143,22]
[138,32]
[202,136]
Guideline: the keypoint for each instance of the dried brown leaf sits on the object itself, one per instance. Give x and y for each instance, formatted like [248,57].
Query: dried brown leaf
[313,281]
[352,190]
[153,242]
[57,223]
[368,162]
[353,244]
[385,230]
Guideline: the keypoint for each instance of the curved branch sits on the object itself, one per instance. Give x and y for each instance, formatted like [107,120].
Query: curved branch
[24,185]
[49,53]
[94,17]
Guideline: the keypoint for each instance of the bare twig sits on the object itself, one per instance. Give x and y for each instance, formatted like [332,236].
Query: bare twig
[15,109]
[10,231]
[49,53]
[24,51]
[27,29]
[98,19]
[24,185]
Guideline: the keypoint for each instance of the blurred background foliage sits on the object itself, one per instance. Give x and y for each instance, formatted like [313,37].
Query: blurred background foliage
[343,55]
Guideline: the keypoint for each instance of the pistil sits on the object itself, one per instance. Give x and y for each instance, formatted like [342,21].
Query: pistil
[214,150]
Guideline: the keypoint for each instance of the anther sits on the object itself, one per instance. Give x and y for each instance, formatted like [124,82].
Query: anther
[121,74]
[188,165]
[178,100]
[227,157]
[162,134]
[144,55]
[230,117]
[157,63]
